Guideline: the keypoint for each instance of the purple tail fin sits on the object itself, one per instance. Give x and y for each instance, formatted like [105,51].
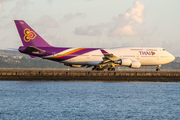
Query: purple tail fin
[28,36]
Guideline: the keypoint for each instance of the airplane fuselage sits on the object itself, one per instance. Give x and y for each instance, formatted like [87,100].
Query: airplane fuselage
[99,58]
[147,56]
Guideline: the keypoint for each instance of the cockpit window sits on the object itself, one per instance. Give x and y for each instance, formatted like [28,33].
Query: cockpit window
[164,50]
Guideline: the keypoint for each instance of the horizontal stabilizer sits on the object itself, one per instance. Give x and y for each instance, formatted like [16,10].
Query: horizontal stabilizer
[32,56]
[33,50]
[13,49]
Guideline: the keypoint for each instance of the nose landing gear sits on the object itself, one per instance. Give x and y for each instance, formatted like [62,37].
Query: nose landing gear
[158,68]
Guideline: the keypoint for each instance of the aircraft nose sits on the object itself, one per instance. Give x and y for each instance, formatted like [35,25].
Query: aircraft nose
[172,57]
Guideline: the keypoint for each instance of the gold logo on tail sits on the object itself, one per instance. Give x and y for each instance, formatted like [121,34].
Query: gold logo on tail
[29,35]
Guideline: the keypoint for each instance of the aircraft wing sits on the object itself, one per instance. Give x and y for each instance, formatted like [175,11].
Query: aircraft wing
[108,60]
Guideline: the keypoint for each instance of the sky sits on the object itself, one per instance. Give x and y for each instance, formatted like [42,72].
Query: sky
[94,23]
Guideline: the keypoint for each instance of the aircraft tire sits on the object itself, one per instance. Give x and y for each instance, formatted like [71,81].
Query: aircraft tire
[112,69]
[93,68]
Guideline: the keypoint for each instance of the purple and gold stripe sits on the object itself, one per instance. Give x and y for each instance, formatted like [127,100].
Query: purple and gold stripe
[72,54]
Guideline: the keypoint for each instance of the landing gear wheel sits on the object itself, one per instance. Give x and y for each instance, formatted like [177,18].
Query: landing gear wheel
[93,68]
[158,68]
[111,69]
[97,68]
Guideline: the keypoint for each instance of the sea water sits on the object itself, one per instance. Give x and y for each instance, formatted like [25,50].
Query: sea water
[89,101]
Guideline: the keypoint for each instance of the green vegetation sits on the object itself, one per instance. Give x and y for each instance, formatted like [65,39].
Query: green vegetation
[25,62]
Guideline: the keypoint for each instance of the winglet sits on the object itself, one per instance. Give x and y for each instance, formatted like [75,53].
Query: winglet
[109,55]
[104,52]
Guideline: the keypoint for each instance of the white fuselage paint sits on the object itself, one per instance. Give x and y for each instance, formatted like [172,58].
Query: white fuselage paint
[147,56]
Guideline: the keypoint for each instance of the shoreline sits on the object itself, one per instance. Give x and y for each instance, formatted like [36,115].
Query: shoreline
[88,76]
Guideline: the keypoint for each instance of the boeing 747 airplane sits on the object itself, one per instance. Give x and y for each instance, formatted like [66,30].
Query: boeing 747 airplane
[98,58]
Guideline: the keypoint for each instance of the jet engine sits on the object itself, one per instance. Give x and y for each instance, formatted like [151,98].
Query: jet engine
[124,62]
[127,62]
[135,64]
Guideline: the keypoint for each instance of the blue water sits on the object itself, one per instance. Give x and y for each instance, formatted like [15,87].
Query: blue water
[89,101]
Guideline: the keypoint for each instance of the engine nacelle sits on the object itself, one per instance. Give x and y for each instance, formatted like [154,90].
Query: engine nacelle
[124,62]
[135,64]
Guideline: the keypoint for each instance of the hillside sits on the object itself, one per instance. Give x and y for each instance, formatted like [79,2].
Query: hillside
[15,59]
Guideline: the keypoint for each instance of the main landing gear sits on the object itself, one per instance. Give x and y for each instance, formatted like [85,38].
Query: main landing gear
[97,68]
[111,69]
[103,68]
[158,68]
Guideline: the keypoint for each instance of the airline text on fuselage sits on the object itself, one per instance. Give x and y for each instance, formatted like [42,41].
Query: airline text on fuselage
[146,53]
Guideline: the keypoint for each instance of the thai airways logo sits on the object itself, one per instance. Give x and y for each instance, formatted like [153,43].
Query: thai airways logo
[146,53]
[153,53]
[29,35]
